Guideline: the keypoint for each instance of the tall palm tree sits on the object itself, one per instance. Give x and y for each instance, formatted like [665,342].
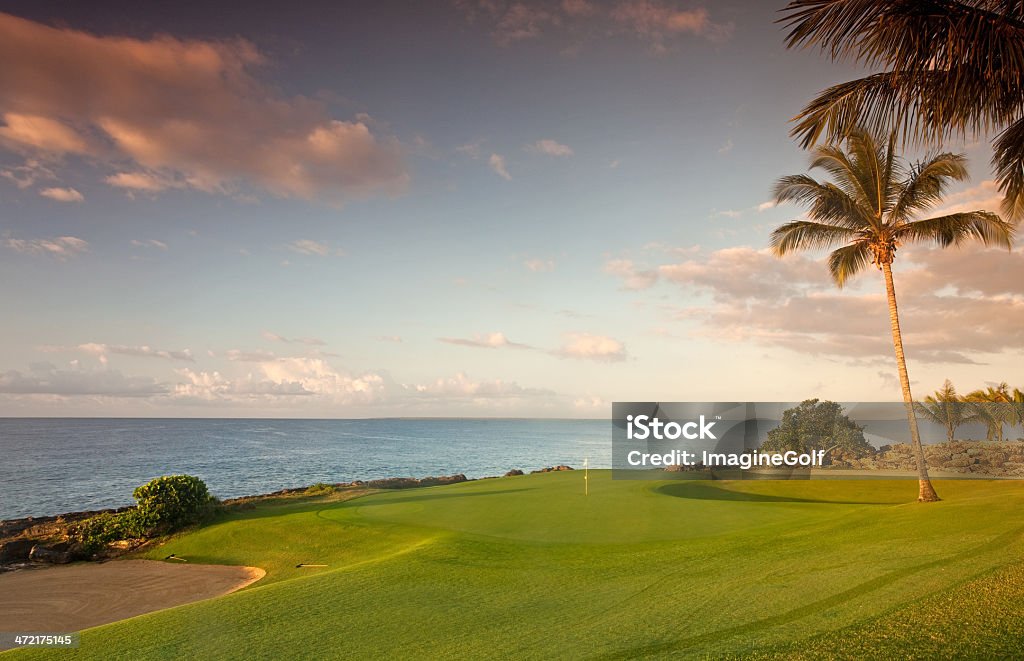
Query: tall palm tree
[943,68]
[945,408]
[870,210]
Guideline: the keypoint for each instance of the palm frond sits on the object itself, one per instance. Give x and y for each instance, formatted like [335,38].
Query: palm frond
[808,235]
[921,108]
[928,182]
[828,203]
[869,159]
[848,261]
[846,173]
[1008,161]
[956,228]
[949,68]
[984,39]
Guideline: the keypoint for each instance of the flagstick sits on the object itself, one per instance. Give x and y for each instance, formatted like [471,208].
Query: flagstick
[586,476]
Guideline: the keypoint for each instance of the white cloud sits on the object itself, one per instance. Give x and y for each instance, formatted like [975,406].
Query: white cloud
[497,164]
[764,206]
[61,247]
[591,403]
[956,306]
[147,182]
[149,243]
[27,174]
[237,355]
[983,197]
[521,21]
[551,148]
[539,265]
[142,351]
[632,277]
[462,387]
[470,149]
[726,146]
[315,375]
[274,337]
[48,380]
[62,194]
[495,340]
[583,20]
[41,133]
[592,347]
[578,7]
[658,23]
[310,247]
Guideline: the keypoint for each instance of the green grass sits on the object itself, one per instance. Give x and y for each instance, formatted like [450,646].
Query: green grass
[529,567]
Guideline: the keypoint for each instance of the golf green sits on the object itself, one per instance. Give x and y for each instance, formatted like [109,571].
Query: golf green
[530,567]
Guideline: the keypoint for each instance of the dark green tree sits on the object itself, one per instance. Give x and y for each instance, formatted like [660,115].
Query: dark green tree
[171,502]
[816,425]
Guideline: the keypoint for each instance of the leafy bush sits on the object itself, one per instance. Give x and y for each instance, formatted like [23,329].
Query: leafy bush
[94,533]
[319,488]
[815,425]
[171,502]
[164,505]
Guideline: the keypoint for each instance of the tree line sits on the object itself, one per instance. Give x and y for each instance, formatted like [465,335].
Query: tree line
[994,406]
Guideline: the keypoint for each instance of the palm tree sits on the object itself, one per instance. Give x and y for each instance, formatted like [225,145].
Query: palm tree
[944,68]
[1017,407]
[945,408]
[994,407]
[870,211]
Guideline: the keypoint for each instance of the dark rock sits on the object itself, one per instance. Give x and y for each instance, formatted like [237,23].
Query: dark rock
[58,554]
[16,550]
[513,472]
[410,482]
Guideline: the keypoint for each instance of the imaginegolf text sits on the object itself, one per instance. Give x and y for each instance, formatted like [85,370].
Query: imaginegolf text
[745,461]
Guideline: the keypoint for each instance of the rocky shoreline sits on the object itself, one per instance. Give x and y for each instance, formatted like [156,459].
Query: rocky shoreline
[45,540]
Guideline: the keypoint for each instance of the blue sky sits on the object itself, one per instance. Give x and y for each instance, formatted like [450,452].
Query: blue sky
[469,208]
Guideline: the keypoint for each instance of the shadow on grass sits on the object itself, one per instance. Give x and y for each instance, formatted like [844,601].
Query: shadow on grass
[704,490]
[690,646]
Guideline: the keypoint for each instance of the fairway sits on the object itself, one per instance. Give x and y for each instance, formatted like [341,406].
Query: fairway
[529,567]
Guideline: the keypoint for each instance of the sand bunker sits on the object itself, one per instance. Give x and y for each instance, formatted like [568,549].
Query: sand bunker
[76,597]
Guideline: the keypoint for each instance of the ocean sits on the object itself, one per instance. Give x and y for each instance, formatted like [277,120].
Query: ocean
[55,465]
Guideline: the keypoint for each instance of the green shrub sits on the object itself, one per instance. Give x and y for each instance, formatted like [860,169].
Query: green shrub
[319,488]
[171,502]
[96,532]
[164,505]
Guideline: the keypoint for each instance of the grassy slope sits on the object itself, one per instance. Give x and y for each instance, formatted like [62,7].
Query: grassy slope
[529,567]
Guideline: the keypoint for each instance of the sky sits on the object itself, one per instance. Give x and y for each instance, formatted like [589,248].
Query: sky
[468,208]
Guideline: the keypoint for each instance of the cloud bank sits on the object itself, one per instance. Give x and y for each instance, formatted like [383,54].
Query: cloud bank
[167,113]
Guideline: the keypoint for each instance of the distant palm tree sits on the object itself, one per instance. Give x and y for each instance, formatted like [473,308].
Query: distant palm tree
[994,407]
[946,408]
[1017,406]
[870,210]
[941,68]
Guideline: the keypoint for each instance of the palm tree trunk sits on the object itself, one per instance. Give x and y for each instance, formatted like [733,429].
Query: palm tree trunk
[926,493]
